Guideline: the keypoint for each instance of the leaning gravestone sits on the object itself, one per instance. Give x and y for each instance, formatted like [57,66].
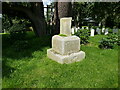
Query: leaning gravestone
[65,49]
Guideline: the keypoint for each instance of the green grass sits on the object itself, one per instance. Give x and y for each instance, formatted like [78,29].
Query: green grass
[32,68]
[63,35]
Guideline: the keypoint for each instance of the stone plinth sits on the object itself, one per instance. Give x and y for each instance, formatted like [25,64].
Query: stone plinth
[65,26]
[74,57]
[65,45]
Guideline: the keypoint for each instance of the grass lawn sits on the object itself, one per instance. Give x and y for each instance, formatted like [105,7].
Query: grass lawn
[31,68]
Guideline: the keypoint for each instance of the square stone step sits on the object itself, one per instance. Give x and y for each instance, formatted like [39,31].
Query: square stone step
[65,59]
[65,45]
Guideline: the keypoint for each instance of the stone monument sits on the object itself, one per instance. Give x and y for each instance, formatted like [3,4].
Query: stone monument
[65,47]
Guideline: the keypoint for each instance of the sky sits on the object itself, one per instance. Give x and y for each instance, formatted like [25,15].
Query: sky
[46,2]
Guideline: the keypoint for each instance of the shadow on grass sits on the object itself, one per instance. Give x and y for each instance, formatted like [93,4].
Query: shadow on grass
[6,69]
[8,52]
[35,44]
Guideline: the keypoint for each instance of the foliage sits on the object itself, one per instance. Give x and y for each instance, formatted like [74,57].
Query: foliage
[83,34]
[109,41]
[5,22]
[106,13]
[32,68]
[106,43]
[17,32]
[113,37]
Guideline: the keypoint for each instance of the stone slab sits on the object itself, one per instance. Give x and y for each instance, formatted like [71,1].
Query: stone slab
[65,45]
[65,59]
[65,26]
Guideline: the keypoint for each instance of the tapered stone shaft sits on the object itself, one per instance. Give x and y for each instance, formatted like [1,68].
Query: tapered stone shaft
[65,26]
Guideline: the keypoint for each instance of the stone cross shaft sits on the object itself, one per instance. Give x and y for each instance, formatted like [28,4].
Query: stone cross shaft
[65,26]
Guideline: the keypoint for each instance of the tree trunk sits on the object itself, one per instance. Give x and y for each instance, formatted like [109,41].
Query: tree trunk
[35,14]
[38,20]
[62,9]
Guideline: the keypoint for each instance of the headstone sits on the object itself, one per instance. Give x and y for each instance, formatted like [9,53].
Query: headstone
[115,30]
[92,32]
[98,31]
[78,28]
[65,49]
[82,27]
[73,30]
[87,28]
[106,31]
[103,30]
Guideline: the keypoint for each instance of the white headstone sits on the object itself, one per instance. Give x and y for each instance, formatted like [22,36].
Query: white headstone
[73,30]
[103,30]
[98,30]
[65,26]
[115,30]
[76,29]
[106,31]
[82,27]
[92,32]
[87,28]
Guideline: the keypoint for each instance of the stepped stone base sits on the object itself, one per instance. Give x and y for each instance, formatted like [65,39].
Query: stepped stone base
[74,57]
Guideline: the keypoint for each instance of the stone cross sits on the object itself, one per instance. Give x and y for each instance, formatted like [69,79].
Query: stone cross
[65,26]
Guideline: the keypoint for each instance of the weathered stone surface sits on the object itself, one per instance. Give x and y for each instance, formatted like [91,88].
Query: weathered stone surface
[65,49]
[92,32]
[65,26]
[74,57]
[65,45]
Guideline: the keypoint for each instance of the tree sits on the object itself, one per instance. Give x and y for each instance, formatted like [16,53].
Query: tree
[106,13]
[62,9]
[34,11]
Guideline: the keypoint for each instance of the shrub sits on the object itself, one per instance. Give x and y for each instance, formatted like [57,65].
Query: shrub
[106,43]
[83,34]
[20,45]
[17,32]
[113,38]
[109,41]
[5,23]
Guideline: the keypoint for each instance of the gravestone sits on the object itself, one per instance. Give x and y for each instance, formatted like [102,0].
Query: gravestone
[115,30]
[87,28]
[92,32]
[82,27]
[106,31]
[103,30]
[98,31]
[78,28]
[65,49]
[73,30]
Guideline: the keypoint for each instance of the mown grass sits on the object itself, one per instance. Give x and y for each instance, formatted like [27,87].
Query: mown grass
[32,68]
